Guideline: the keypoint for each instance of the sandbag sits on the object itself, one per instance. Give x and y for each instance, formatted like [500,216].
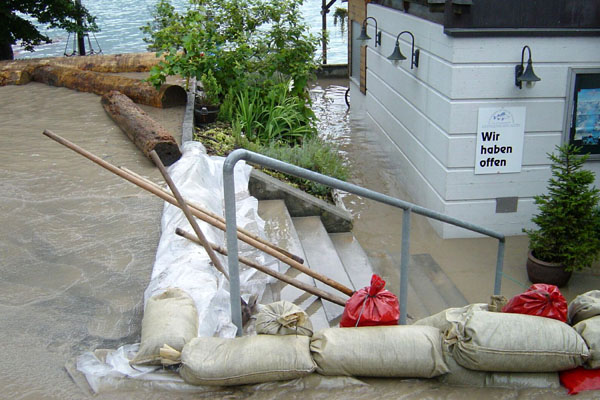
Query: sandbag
[584,306]
[488,341]
[589,329]
[442,319]
[540,299]
[283,318]
[218,361]
[379,351]
[169,318]
[460,376]
[371,306]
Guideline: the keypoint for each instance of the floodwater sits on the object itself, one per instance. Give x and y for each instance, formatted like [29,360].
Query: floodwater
[77,245]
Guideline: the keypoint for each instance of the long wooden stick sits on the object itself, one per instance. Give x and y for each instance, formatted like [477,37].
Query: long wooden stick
[292,263]
[188,214]
[282,277]
[199,209]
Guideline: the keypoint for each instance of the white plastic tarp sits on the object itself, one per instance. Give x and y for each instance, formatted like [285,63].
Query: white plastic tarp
[186,265]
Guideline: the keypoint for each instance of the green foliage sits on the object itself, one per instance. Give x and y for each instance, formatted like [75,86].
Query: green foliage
[314,154]
[233,39]
[568,219]
[166,28]
[266,115]
[211,90]
[15,29]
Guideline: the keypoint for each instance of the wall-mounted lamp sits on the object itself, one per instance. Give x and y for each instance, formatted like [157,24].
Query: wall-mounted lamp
[363,33]
[525,74]
[398,56]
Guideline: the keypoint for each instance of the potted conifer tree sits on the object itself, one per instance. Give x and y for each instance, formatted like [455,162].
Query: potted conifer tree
[566,238]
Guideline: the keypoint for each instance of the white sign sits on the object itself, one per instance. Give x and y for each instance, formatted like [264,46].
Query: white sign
[500,133]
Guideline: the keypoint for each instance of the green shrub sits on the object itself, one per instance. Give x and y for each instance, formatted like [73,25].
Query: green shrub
[314,154]
[567,222]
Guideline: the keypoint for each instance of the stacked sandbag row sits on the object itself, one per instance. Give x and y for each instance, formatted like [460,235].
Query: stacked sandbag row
[467,345]
[284,347]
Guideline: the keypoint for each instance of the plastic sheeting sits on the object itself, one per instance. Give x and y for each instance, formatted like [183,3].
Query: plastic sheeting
[182,264]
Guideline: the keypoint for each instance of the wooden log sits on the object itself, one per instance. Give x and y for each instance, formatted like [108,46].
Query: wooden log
[99,83]
[130,62]
[147,134]
[14,77]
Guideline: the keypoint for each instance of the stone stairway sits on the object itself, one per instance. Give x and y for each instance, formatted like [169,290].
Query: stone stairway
[336,255]
[339,256]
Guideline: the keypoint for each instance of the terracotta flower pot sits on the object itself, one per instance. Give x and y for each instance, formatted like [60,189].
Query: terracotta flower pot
[540,271]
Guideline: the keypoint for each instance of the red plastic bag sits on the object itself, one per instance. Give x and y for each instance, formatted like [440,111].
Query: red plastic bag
[580,379]
[540,299]
[370,306]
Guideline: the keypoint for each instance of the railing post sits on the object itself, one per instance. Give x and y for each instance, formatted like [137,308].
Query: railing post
[404,262]
[499,267]
[232,244]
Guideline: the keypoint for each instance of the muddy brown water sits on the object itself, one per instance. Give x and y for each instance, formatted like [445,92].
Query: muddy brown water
[77,246]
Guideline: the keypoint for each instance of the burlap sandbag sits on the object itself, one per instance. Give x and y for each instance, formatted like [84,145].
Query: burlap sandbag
[217,361]
[379,351]
[584,306]
[169,318]
[589,329]
[442,319]
[460,376]
[489,341]
[283,318]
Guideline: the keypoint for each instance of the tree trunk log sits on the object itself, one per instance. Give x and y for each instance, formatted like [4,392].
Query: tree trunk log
[131,62]
[14,77]
[95,82]
[146,133]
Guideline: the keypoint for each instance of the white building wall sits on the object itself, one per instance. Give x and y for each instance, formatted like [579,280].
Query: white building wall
[428,115]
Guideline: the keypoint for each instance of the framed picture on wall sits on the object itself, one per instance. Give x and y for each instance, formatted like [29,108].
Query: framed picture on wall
[583,112]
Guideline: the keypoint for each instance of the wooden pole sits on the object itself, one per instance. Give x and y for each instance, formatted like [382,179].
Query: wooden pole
[292,263]
[282,277]
[196,208]
[188,214]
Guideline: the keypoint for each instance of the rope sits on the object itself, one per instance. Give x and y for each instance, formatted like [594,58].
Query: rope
[361,310]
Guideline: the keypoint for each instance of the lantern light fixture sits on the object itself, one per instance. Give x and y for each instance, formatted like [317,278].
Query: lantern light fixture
[525,74]
[364,37]
[398,56]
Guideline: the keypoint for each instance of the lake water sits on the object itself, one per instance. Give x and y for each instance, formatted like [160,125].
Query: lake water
[120,21]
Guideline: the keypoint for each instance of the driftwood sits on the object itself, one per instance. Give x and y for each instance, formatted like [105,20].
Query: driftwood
[255,243]
[14,77]
[282,277]
[99,83]
[147,134]
[130,62]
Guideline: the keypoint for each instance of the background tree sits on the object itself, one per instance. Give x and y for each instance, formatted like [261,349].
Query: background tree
[15,29]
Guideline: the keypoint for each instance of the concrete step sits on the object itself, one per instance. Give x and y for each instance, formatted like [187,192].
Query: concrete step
[323,258]
[281,231]
[354,258]
[433,289]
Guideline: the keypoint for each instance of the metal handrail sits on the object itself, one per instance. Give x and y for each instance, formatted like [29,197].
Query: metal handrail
[231,224]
